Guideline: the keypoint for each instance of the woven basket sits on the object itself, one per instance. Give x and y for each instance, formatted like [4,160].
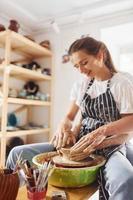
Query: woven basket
[9,185]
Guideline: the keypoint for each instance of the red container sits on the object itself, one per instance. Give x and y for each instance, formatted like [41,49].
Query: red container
[35,195]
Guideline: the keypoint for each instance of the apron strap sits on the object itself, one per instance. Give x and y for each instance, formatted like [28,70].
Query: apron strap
[108,84]
[90,83]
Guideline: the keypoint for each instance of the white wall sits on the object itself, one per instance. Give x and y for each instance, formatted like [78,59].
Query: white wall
[120,42]
[64,74]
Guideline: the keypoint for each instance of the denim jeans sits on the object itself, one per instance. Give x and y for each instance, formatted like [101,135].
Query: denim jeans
[28,152]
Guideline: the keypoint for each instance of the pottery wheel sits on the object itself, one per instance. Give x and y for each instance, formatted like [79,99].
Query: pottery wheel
[63,161]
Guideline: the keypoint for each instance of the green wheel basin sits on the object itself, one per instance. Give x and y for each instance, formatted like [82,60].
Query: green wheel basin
[71,177]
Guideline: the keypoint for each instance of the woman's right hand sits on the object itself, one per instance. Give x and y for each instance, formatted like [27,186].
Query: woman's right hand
[63,135]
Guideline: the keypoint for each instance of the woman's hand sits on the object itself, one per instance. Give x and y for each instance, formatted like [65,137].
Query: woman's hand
[88,144]
[63,136]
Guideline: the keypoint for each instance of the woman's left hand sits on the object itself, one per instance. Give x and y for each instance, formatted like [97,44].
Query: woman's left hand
[87,144]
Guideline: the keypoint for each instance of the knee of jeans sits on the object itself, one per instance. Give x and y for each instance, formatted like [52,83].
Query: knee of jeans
[11,159]
[14,153]
[123,181]
[126,183]
[16,150]
[129,179]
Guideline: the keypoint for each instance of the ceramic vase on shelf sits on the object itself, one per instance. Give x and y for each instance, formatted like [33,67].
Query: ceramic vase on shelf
[2,28]
[14,25]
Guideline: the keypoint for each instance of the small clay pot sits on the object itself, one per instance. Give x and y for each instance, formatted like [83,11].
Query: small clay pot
[14,25]
[65,152]
[2,28]
[1,60]
[46,44]
[65,58]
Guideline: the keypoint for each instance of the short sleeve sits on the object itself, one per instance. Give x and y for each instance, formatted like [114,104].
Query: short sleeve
[123,94]
[75,91]
[79,89]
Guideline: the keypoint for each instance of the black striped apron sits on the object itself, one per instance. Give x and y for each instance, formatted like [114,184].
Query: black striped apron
[95,113]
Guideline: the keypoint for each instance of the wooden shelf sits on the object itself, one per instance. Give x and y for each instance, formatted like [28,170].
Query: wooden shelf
[13,42]
[24,46]
[22,73]
[28,102]
[25,132]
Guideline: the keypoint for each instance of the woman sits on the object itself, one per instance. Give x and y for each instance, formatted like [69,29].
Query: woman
[105,101]
[107,114]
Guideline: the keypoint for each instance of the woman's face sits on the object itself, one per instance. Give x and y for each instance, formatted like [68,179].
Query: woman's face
[87,64]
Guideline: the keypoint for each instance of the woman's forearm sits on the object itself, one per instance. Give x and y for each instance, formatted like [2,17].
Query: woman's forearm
[66,122]
[121,126]
[76,129]
[112,141]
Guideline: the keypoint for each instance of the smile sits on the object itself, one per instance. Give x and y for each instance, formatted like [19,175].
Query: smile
[88,73]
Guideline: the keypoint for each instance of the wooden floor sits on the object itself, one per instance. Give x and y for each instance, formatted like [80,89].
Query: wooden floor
[73,194]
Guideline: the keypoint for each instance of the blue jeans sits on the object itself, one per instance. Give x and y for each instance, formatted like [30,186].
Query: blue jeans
[118,174]
[28,152]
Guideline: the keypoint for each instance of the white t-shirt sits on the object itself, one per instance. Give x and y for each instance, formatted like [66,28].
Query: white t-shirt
[121,86]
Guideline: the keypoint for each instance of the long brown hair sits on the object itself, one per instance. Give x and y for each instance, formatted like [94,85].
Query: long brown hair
[92,47]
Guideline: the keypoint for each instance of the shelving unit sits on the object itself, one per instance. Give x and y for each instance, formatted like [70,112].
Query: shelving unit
[28,102]
[26,74]
[25,132]
[14,42]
